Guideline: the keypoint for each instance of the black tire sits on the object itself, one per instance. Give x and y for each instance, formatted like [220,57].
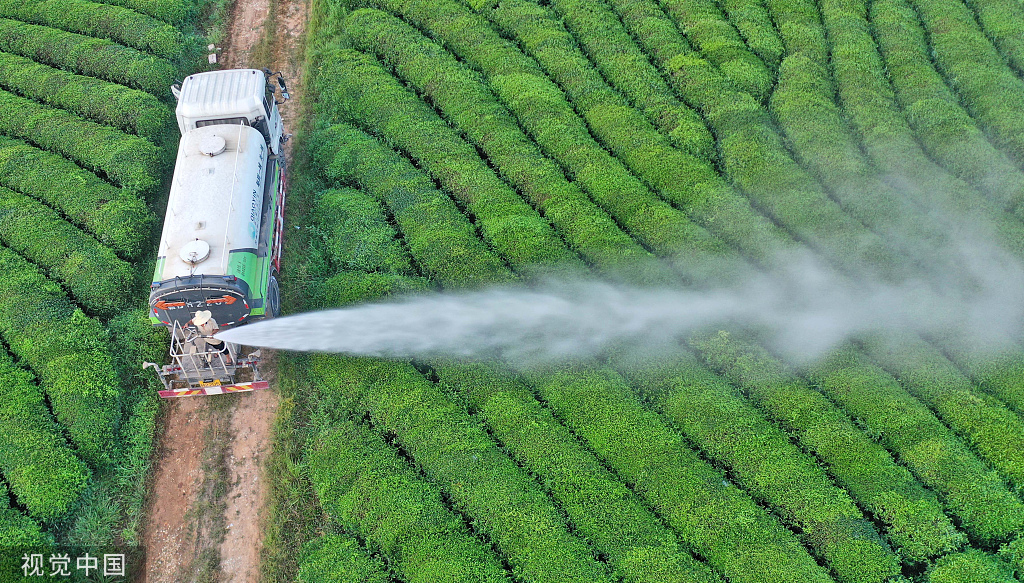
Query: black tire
[273,297]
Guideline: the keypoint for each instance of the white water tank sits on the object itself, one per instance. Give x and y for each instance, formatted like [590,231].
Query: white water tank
[217,199]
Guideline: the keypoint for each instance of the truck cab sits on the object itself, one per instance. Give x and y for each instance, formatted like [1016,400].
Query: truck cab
[231,97]
[220,248]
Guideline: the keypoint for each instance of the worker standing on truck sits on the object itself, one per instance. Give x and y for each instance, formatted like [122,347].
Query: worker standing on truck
[207,327]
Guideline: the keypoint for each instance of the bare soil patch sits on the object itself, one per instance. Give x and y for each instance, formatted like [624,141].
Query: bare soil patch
[176,478]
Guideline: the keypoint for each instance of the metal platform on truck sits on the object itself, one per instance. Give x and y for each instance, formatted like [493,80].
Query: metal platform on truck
[194,370]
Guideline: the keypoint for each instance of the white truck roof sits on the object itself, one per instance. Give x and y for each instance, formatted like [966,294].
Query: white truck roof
[217,199]
[220,94]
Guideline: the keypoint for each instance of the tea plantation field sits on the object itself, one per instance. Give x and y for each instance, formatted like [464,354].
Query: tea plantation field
[87,135]
[452,145]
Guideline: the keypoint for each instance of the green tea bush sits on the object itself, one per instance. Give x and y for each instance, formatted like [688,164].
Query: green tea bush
[120,220]
[367,488]
[348,287]
[176,12]
[468,103]
[129,110]
[720,522]
[625,67]
[353,86]
[870,104]
[356,234]
[645,20]
[339,559]
[543,111]
[43,472]
[1002,22]
[441,240]
[995,432]
[860,465]
[500,499]
[762,460]
[88,56]
[999,373]
[131,162]
[970,566]
[752,153]
[137,340]
[799,26]
[16,530]
[716,40]
[804,107]
[972,492]
[755,24]
[979,74]
[67,351]
[118,24]
[688,182]
[757,161]
[600,506]
[93,274]
[939,120]
[1013,554]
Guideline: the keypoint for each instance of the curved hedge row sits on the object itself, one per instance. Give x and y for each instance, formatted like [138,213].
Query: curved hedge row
[1002,22]
[118,24]
[68,352]
[738,538]
[995,432]
[43,472]
[978,73]
[716,40]
[762,460]
[755,25]
[976,495]
[352,85]
[758,162]
[94,275]
[627,69]
[970,566]
[367,488]
[130,110]
[861,466]
[16,530]
[131,162]
[470,106]
[691,184]
[120,220]
[939,120]
[869,102]
[752,153]
[441,240]
[544,112]
[1013,554]
[90,56]
[176,12]
[799,25]
[347,287]
[600,507]
[542,109]
[339,559]
[999,373]
[355,233]
[646,20]
[502,501]
[803,105]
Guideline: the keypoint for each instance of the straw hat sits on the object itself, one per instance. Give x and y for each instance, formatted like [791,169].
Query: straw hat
[202,317]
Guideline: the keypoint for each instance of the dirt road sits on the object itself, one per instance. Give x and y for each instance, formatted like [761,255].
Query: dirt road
[204,512]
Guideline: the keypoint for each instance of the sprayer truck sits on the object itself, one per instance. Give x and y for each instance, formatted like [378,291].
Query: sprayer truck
[220,250]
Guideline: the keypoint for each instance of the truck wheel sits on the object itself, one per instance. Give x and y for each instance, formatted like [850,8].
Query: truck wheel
[273,298]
